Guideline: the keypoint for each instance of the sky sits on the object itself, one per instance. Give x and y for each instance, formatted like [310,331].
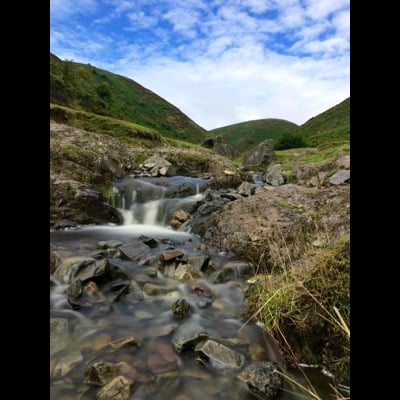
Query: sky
[219,61]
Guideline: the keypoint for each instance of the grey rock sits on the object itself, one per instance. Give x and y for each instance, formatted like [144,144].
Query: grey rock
[262,154]
[218,356]
[340,177]
[274,175]
[262,378]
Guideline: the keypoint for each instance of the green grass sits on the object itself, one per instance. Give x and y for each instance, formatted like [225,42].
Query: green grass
[87,88]
[126,132]
[325,153]
[245,135]
[331,126]
[306,307]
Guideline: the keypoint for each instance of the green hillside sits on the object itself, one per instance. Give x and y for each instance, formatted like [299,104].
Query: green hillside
[245,135]
[331,126]
[84,87]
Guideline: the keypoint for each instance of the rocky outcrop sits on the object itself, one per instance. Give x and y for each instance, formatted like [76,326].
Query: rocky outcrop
[83,165]
[221,147]
[77,203]
[273,228]
[262,154]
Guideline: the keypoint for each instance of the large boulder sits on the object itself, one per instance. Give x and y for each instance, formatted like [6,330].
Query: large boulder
[275,226]
[262,154]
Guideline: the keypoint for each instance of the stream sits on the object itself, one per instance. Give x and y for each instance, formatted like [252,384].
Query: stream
[134,303]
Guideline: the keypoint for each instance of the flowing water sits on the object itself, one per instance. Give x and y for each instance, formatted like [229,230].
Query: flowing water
[83,336]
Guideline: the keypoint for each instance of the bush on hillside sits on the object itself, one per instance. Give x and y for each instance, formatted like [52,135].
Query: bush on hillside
[289,140]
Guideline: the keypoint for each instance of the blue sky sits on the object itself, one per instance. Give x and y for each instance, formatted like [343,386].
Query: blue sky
[219,61]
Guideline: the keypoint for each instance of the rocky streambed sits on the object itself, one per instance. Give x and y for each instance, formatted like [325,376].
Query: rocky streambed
[144,311]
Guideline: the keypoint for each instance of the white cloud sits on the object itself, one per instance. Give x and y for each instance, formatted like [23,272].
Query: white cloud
[318,9]
[65,8]
[226,65]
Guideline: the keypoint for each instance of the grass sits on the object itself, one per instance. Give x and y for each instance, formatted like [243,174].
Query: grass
[246,135]
[324,154]
[329,127]
[306,308]
[86,88]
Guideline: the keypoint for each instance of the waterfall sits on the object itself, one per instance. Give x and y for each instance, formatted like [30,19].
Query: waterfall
[143,202]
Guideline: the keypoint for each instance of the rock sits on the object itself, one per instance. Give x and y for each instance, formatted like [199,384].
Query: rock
[70,266]
[100,373]
[119,388]
[134,251]
[186,272]
[66,363]
[340,177]
[188,335]
[218,356]
[246,189]
[269,229]
[159,166]
[127,341]
[181,309]
[262,378]
[262,154]
[343,162]
[59,334]
[109,244]
[274,175]
[171,255]
[64,224]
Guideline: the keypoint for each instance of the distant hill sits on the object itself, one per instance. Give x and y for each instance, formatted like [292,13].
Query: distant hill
[245,135]
[84,87]
[331,126]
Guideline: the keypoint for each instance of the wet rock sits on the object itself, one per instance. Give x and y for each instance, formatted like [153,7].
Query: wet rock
[233,270]
[69,267]
[119,388]
[340,177]
[162,361]
[59,334]
[181,309]
[188,335]
[262,378]
[151,242]
[109,244]
[154,289]
[127,341]
[200,262]
[171,255]
[218,356]
[93,271]
[100,373]
[134,251]
[64,224]
[66,363]
[186,272]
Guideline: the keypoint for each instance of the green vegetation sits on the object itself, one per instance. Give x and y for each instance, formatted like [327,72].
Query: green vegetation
[331,126]
[298,158]
[289,140]
[127,132]
[84,87]
[306,308]
[245,135]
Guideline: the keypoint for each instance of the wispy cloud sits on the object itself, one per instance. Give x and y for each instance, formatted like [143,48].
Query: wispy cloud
[220,61]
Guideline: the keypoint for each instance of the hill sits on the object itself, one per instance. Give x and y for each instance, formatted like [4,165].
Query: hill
[84,87]
[331,126]
[245,135]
